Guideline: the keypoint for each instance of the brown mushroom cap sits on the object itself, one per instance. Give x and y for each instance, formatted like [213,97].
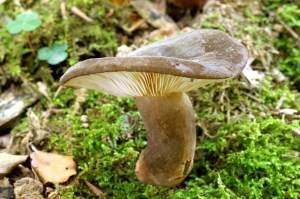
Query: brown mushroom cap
[188,61]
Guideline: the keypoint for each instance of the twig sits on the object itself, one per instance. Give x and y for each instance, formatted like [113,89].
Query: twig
[75,181]
[29,44]
[251,96]
[136,25]
[81,14]
[280,101]
[296,133]
[95,190]
[205,131]
[290,156]
[291,31]
[63,9]
[296,155]
[33,148]
[288,116]
[57,92]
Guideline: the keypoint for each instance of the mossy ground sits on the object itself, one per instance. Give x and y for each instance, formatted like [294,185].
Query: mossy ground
[245,147]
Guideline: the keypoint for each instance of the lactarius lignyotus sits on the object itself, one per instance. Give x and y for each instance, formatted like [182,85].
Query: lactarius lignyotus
[157,77]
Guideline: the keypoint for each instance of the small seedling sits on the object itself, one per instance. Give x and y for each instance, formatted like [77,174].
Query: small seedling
[28,21]
[54,54]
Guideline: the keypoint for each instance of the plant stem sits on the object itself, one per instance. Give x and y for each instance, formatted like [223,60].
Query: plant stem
[29,44]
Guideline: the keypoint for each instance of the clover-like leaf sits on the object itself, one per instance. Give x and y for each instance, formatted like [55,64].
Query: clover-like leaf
[27,21]
[14,27]
[54,54]
[44,53]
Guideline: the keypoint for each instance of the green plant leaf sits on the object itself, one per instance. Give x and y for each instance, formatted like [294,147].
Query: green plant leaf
[13,27]
[44,53]
[60,47]
[54,54]
[57,57]
[24,22]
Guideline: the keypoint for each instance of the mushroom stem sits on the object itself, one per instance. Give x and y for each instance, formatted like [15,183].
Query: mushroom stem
[171,134]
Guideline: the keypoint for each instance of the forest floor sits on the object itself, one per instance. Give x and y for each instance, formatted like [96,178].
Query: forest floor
[248,128]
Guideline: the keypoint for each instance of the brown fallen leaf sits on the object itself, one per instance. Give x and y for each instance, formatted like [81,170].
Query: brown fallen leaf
[8,162]
[54,168]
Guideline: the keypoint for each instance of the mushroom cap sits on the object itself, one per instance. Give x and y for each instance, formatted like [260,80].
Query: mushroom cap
[176,64]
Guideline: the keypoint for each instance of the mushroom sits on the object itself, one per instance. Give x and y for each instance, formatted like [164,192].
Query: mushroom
[157,77]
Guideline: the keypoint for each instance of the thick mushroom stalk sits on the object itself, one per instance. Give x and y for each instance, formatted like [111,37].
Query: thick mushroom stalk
[171,135]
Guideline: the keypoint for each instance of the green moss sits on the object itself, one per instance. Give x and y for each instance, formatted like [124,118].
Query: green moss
[244,150]
[248,158]
[85,39]
[288,15]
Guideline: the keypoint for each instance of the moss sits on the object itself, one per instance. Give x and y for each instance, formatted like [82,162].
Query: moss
[247,158]
[244,150]
[85,40]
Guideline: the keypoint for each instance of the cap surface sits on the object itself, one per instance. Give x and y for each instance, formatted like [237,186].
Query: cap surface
[190,60]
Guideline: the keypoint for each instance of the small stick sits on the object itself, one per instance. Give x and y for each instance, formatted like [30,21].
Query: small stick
[136,25]
[95,190]
[251,96]
[291,31]
[205,131]
[81,14]
[33,147]
[29,44]
[63,9]
[296,133]
[280,101]
[57,92]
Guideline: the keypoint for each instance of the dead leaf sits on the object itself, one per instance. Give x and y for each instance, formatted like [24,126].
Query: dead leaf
[52,167]
[252,76]
[8,162]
